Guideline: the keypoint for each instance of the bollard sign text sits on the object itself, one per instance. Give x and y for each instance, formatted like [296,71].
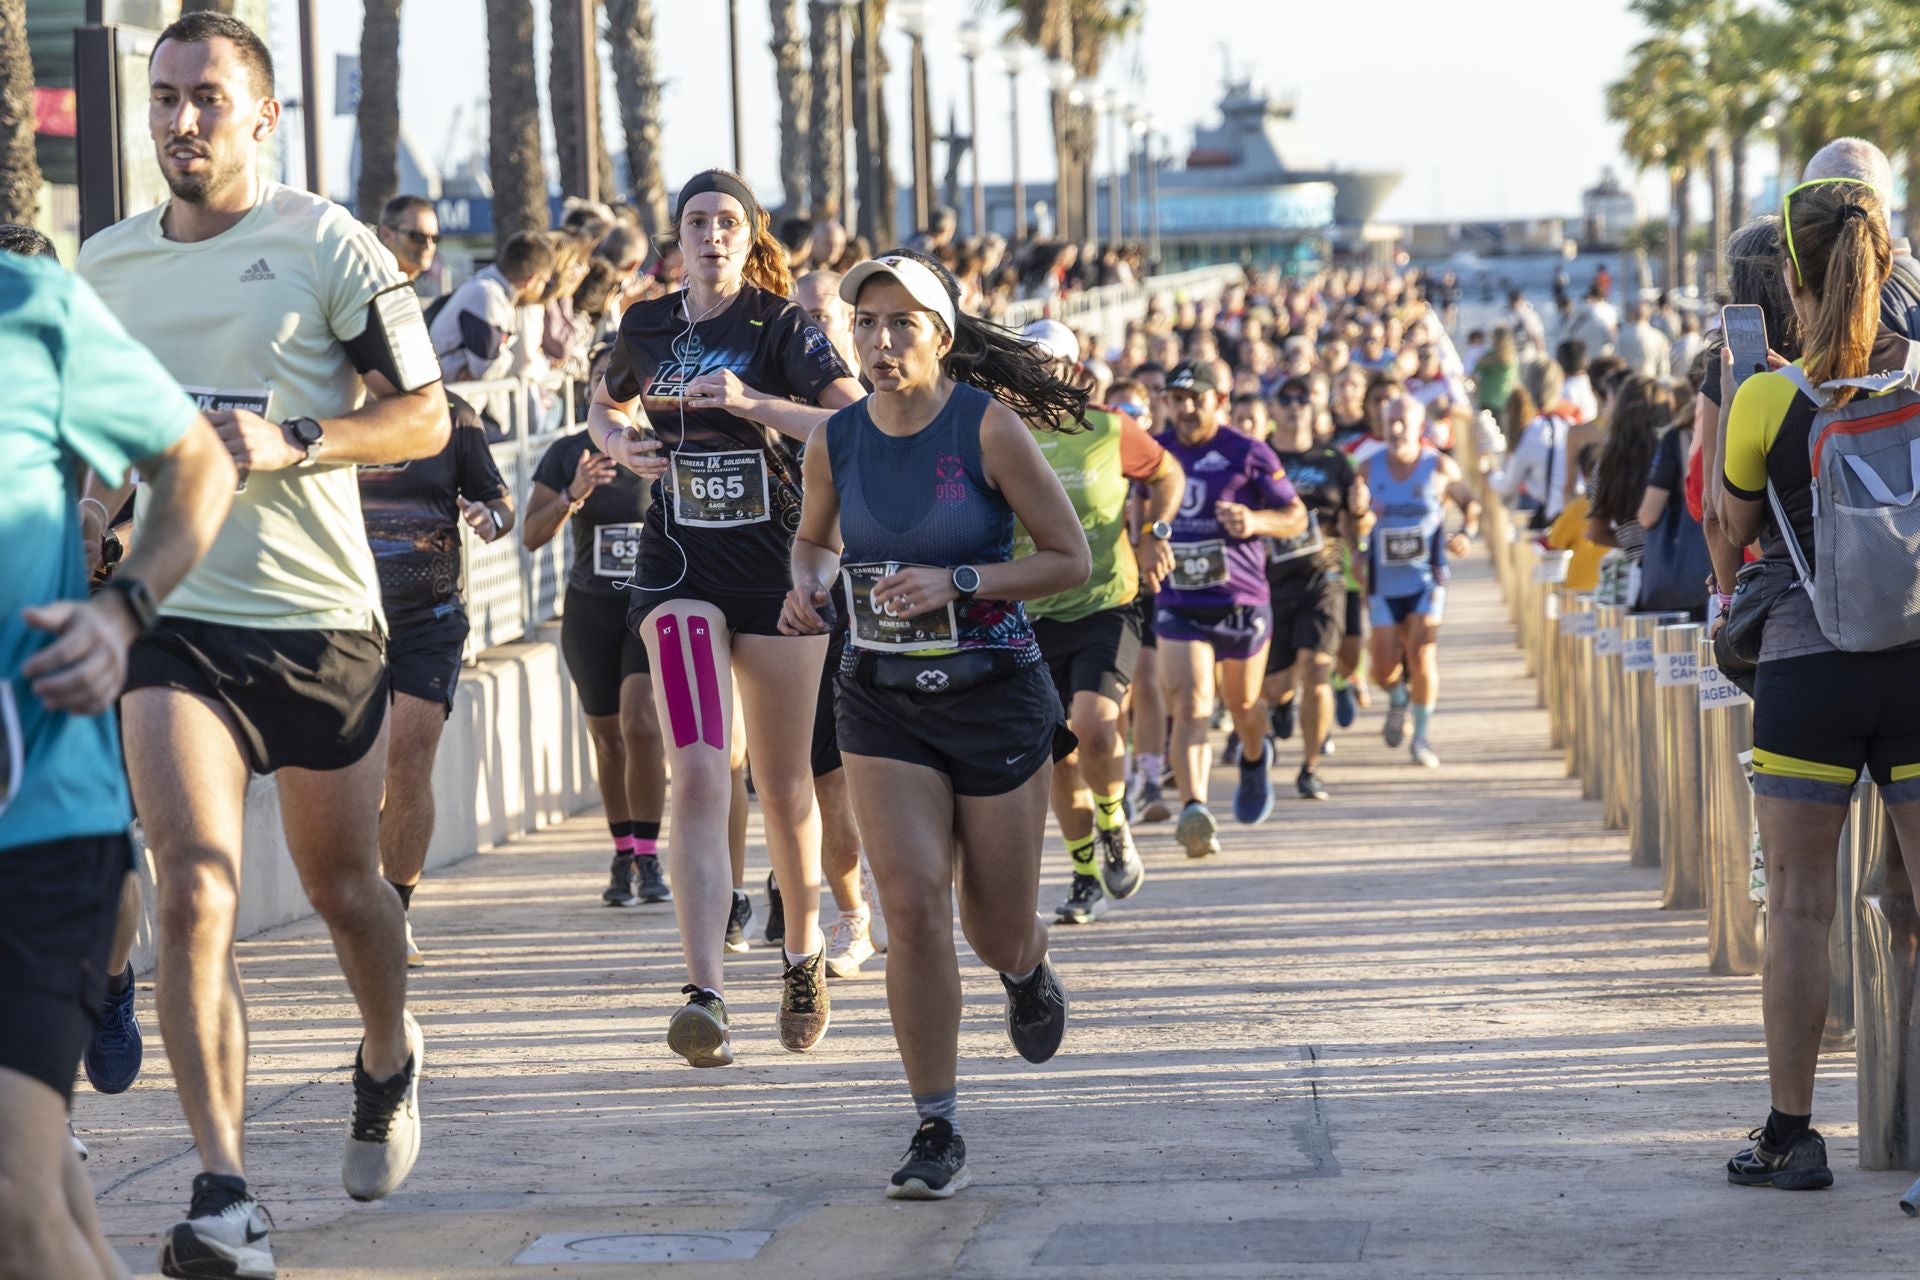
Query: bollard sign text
[1606,642]
[1716,690]
[1673,670]
[1579,622]
[1636,654]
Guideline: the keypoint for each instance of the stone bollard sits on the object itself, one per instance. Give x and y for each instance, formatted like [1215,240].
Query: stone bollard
[1887,1019]
[1676,718]
[1736,924]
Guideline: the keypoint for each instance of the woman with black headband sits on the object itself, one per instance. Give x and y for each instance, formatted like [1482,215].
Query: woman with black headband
[949,723]
[703,384]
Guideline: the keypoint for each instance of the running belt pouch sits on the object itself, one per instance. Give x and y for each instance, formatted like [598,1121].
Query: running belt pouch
[947,673]
[1755,591]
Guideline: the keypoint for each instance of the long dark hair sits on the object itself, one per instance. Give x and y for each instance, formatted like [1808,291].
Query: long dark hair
[999,362]
[1755,254]
[1642,406]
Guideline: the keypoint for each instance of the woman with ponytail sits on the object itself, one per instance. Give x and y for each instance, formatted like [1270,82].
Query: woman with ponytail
[1820,714]
[949,722]
[703,386]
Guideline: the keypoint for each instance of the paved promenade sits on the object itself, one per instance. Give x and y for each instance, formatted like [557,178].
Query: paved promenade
[1434,1027]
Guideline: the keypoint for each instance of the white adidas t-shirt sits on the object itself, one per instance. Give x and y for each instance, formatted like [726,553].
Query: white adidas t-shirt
[255,317]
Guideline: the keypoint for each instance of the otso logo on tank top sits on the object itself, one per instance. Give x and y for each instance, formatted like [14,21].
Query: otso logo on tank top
[950,473]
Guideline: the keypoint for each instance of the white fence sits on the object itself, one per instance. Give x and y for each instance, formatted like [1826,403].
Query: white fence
[1104,312]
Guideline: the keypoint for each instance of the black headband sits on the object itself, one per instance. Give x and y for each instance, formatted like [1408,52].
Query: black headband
[719,180]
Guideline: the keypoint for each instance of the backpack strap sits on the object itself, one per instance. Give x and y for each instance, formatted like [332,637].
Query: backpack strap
[1798,377]
[1878,488]
[1803,571]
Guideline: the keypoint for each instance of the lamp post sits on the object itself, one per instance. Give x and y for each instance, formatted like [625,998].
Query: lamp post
[914,17]
[1116,107]
[1153,196]
[1060,78]
[1015,60]
[733,56]
[973,43]
[1136,134]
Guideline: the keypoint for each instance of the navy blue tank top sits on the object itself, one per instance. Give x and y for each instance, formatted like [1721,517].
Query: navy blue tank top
[922,499]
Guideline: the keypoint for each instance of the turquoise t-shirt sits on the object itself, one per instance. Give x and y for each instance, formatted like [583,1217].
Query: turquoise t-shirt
[80,393]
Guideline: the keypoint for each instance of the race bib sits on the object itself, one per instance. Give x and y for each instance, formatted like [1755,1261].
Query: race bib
[874,627]
[1310,543]
[1198,565]
[720,490]
[616,549]
[1403,546]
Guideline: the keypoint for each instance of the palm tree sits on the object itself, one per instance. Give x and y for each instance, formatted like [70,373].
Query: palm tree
[1661,104]
[637,84]
[1078,32]
[379,111]
[575,106]
[19,165]
[872,135]
[827,153]
[514,161]
[795,85]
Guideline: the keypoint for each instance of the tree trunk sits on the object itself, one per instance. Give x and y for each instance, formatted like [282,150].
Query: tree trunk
[573,105]
[514,161]
[1717,224]
[379,114]
[207,6]
[872,136]
[795,86]
[19,165]
[637,83]
[827,111]
[1683,225]
[1737,193]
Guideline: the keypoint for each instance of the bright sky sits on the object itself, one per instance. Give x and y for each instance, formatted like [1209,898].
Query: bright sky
[1491,108]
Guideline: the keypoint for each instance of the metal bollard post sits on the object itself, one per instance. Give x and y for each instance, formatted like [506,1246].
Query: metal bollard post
[1614,726]
[1676,718]
[1581,707]
[1548,570]
[1643,744]
[1887,1046]
[1560,701]
[1736,924]
[1865,816]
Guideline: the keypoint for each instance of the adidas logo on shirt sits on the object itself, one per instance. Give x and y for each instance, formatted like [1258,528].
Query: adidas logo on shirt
[258,271]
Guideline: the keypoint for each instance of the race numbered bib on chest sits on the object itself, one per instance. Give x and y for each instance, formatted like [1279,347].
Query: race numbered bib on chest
[1199,565]
[876,628]
[1403,546]
[720,490]
[616,549]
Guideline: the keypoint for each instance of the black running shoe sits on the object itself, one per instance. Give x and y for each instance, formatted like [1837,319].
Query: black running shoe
[1309,786]
[1086,901]
[1281,718]
[776,914]
[739,915]
[1801,1165]
[652,881]
[623,886]
[1036,1013]
[936,1164]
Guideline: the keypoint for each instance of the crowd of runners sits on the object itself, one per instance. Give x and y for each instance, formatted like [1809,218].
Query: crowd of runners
[919,578]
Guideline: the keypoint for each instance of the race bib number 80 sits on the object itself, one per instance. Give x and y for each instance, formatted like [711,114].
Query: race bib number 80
[1198,565]
[720,490]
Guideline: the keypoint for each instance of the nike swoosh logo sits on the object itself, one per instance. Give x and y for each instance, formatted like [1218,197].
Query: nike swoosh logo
[255,1237]
[1015,759]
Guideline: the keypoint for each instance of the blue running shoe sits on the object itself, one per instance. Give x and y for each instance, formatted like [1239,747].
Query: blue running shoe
[1253,798]
[1345,706]
[114,1055]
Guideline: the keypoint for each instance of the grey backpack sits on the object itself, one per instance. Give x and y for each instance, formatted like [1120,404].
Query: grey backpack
[1864,578]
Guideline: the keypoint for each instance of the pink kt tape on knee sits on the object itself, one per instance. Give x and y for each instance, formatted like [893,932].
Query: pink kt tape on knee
[673,680]
[712,722]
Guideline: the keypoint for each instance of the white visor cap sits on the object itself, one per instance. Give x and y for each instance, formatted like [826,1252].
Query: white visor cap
[1051,340]
[921,284]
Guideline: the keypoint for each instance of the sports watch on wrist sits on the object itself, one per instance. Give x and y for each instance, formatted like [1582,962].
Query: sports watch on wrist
[1161,530]
[307,433]
[966,580]
[140,602]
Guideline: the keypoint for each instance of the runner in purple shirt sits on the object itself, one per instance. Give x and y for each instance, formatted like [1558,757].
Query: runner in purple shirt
[1214,606]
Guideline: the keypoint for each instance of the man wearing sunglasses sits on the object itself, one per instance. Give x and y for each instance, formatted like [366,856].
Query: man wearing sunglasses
[411,231]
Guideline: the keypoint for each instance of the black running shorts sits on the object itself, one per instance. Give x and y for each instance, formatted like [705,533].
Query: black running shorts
[599,650]
[1149,638]
[988,740]
[1094,654]
[1356,615]
[1309,613]
[299,699]
[750,615]
[826,732]
[58,902]
[423,657]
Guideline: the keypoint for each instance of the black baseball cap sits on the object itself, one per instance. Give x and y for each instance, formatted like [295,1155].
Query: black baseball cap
[1188,376]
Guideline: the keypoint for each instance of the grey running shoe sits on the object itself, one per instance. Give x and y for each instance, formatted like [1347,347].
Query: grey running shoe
[1422,752]
[739,916]
[1801,1165]
[698,1032]
[385,1138]
[1197,832]
[936,1165]
[1036,1012]
[1086,901]
[1121,871]
[652,881]
[1309,786]
[1394,732]
[224,1234]
[1153,802]
[623,884]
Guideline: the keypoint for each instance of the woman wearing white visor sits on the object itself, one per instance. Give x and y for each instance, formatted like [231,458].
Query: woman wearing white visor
[949,724]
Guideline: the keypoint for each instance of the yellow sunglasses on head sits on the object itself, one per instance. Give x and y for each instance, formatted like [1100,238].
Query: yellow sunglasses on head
[1786,216]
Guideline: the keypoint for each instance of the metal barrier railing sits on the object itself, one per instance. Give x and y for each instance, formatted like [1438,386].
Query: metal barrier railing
[1654,731]
[1104,311]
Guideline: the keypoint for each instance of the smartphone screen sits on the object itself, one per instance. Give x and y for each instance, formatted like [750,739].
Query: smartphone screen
[1746,331]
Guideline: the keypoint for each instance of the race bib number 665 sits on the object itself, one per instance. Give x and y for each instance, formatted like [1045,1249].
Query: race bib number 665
[720,490]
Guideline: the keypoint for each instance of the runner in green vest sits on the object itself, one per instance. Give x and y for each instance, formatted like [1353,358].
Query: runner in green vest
[1090,635]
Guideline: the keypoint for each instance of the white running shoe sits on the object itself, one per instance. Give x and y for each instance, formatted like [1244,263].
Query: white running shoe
[1423,754]
[849,944]
[224,1235]
[877,922]
[415,957]
[384,1139]
[79,1147]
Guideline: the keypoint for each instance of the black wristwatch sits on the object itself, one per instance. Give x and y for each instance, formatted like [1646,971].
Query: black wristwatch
[140,601]
[307,433]
[966,580]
